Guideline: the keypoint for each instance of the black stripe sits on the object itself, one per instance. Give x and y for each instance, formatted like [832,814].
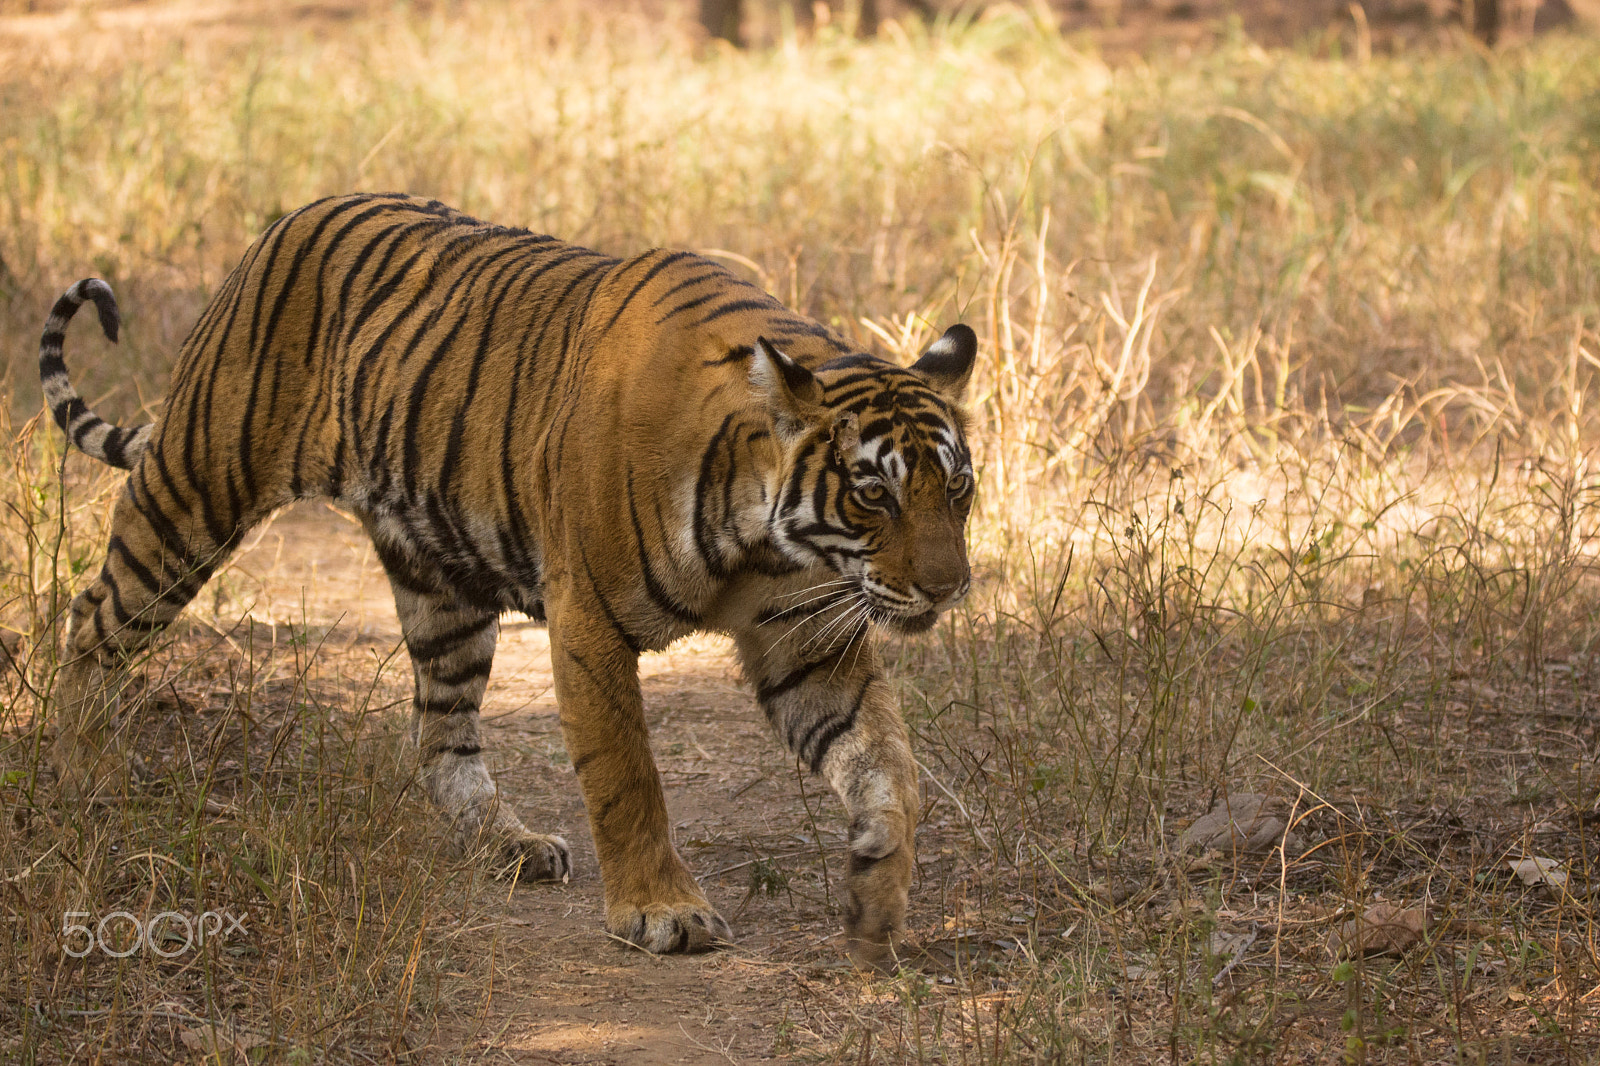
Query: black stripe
[460,705]
[325,339]
[458,426]
[828,730]
[628,638]
[855,359]
[192,405]
[450,464]
[379,294]
[470,672]
[709,275]
[734,307]
[423,649]
[373,358]
[112,448]
[796,486]
[260,345]
[558,370]
[139,495]
[532,348]
[658,593]
[710,552]
[793,327]
[519,535]
[604,813]
[378,446]
[688,305]
[860,864]
[661,264]
[68,413]
[398,568]
[119,547]
[735,354]
[766,693]
[142,620]
[418,392]
[599,682]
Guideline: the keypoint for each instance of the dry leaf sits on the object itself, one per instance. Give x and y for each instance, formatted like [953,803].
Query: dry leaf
[1243,822]
[1225,944]
[220,1042]
[1382,929]
[1540,871]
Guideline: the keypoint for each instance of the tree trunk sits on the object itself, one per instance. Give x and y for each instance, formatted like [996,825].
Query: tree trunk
[1486,19]
[867,19]
[721,19]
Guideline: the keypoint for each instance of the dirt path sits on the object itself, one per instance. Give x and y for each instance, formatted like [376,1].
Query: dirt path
[563,991]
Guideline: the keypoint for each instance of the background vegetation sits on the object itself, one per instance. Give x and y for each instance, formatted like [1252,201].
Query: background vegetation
[1288,436]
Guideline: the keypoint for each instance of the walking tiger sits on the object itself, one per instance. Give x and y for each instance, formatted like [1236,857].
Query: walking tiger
[629,449]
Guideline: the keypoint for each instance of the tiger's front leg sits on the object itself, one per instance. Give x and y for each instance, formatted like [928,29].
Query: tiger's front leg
[833,710]
[652,899]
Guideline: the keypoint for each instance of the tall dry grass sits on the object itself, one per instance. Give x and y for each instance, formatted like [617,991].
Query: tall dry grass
[1286,430]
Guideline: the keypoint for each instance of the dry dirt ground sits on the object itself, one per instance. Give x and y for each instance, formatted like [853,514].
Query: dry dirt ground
[744,820]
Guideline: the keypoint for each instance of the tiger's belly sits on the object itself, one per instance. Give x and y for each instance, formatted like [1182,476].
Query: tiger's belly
[483,563]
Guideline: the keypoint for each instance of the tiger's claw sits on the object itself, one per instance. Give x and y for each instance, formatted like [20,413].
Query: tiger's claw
[690,927]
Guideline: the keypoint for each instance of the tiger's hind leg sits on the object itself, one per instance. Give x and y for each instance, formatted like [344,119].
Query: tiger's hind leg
[158,557]
[452,649]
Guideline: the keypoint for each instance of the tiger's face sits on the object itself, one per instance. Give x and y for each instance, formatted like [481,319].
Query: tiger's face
[878,479]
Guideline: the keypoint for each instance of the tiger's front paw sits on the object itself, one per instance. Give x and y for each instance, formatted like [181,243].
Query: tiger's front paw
[878,886]
[690,925]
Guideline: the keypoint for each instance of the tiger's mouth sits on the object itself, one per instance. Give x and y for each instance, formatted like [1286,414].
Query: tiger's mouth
[902,622]
[916,623]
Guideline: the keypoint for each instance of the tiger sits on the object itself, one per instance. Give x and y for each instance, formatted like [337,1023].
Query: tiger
[628,450]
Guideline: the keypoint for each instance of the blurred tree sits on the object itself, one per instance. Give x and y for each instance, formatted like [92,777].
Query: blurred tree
[867,19]
[1484,17]
[721,19]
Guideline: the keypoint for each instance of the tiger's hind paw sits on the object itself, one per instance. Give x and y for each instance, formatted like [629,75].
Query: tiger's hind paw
[689,927]
[534,857]
[98,773]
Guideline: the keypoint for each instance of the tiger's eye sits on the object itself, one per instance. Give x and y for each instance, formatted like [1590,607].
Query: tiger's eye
[959,486]
[872,493]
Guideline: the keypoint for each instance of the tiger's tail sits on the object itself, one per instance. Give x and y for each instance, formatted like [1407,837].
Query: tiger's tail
[92,434]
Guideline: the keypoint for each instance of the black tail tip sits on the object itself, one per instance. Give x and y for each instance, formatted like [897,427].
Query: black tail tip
[110,320]
[105,304]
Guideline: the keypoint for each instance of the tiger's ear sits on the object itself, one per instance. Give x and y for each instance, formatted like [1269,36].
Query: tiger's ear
[947,364]
[792,393]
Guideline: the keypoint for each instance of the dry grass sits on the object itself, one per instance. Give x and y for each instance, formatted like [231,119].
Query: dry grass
[1287,429]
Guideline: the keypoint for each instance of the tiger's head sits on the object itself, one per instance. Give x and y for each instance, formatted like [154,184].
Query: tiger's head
[876,478]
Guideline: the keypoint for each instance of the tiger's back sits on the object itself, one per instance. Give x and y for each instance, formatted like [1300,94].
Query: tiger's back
[409,360]
[636,448]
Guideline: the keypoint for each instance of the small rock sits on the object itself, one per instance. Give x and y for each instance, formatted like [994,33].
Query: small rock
[1382,929]
[1243,822]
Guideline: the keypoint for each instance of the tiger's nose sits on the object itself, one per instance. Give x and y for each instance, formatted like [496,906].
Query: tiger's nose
[940,590]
